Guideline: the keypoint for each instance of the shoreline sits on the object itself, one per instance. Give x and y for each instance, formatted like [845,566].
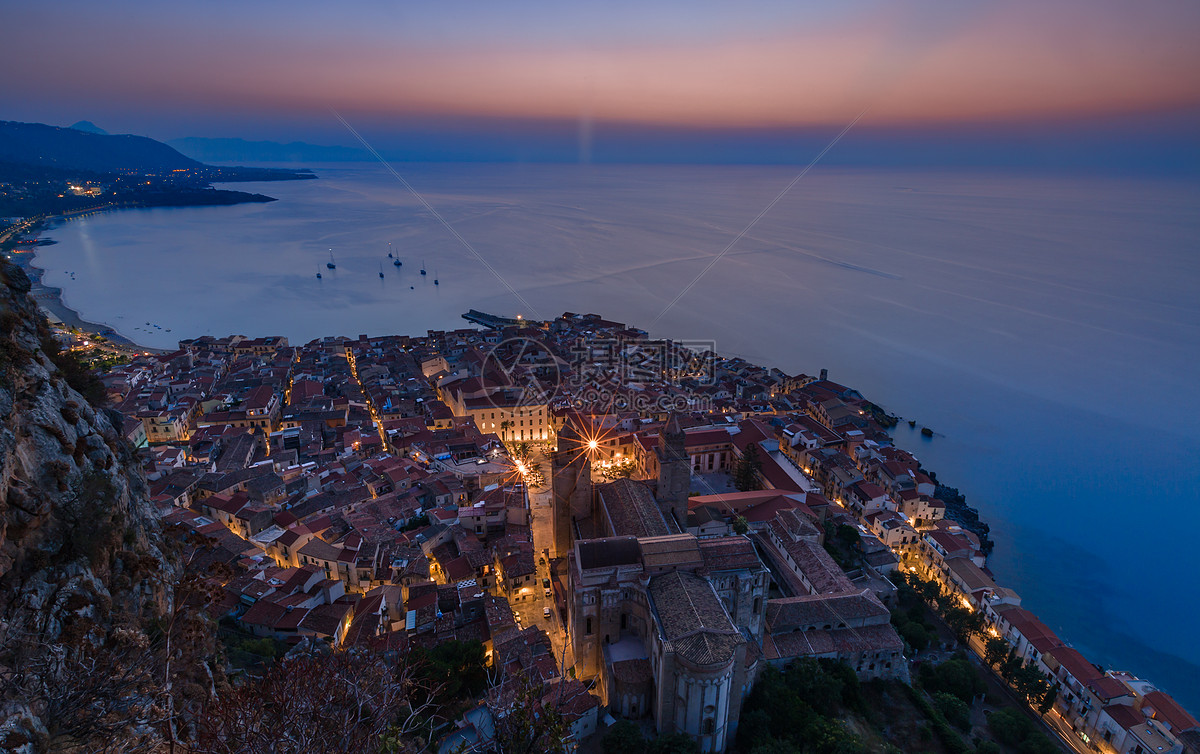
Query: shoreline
[50,298]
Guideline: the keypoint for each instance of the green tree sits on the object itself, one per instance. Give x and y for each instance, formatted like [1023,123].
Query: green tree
[833,737]
[1048,699]
[775,746]
[754,730]
[1010,665]
[773,710]
[916,636]
[526,726]
[916,614]
[1009,726]
[1030,683]
[963,622]
[995,651]
[817,688]
[746,469]
[954,709]
[459,666]
[955,676]
[675,743]
[847,537]
[741,525]
[624,737]
[1012,728]
[926,589]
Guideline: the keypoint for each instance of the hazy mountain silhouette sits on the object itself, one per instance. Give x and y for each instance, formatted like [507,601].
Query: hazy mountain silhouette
[240,150]
[68,148]
[88,127]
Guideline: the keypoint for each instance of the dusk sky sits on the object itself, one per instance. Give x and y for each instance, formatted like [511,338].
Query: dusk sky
[502,80]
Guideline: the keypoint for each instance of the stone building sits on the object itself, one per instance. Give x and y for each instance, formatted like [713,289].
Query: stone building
[667,624]
[571,480]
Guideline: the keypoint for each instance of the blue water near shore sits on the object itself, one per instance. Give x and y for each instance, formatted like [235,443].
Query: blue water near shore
[1047,328]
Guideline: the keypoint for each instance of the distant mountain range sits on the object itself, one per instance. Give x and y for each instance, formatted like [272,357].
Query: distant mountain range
[88,127]
[45,165]
[72,149]
[240,150]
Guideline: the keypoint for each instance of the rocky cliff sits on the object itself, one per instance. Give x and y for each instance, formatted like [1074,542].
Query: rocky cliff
[84,574]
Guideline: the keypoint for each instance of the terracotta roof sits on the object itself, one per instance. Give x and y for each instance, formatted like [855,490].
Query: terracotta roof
[1028,625]
[671,550]
[693,622]
[263,613]
[970,574]
[291,619]
[632,509]
[1168,710]
[320,549]
[840,641]
[729,553]
[706,437]
[324,620]
[1126,717]
[818,567]
[819,610]
[633,671]
[1076,664]
[1107,687]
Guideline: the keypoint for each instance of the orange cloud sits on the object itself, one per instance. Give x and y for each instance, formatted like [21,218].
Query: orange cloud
[1017,61]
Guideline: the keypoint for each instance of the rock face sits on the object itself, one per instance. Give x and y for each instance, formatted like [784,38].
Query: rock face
[81,552]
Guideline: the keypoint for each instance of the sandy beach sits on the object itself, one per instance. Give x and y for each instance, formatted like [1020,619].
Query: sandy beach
[22,251]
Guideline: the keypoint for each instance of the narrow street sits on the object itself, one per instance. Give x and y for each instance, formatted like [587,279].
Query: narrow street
[532,613]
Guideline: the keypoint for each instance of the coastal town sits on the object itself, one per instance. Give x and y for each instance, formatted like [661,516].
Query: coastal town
[643,526]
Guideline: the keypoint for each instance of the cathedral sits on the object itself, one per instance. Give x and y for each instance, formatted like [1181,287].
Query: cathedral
[668,625]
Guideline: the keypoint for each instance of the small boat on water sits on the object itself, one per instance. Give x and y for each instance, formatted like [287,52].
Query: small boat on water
[381,270]
[318,273]
[435,280]
[397,263]
[330,264]
[389,249]
[422,266]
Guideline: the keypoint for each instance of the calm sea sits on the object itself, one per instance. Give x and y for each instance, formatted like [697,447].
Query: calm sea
[1048,329]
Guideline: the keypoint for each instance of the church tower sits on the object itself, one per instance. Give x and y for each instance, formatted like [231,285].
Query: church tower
[674,472]
[571,470]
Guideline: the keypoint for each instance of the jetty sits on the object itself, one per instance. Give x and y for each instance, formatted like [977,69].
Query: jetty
[491,321]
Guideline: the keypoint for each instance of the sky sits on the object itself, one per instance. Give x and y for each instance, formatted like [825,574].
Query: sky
[673,80]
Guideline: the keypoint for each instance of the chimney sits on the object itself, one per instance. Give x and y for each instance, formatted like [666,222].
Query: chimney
[824,374]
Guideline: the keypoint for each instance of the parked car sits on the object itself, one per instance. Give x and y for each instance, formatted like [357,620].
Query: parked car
[546,613]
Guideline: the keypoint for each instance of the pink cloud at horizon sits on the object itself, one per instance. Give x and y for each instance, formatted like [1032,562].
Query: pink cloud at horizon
[995,64]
